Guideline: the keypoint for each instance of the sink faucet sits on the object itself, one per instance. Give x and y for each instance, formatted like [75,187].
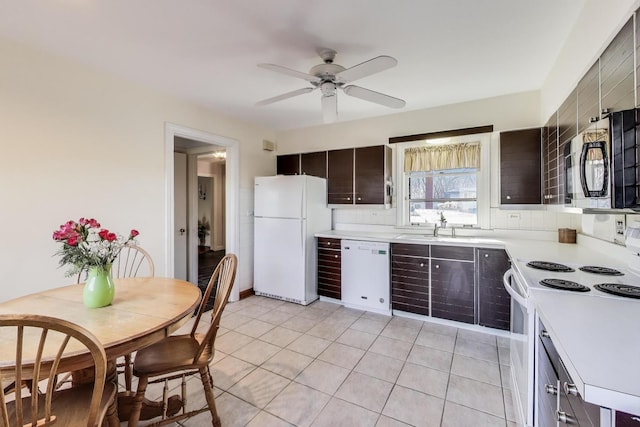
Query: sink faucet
[436,227]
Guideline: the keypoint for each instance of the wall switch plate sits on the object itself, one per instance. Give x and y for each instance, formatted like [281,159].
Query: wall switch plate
[514,216]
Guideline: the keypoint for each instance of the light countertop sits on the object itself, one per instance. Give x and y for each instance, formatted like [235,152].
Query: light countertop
[598,338]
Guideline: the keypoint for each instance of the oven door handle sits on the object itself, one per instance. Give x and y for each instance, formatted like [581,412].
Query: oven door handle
[514,294]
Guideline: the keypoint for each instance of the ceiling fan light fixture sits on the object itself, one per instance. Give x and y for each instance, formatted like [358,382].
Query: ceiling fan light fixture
[329,108]
[328,88]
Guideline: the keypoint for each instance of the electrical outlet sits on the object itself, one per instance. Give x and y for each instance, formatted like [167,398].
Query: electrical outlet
[514,216]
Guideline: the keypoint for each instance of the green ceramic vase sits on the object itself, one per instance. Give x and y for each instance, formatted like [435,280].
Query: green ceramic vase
[99,289]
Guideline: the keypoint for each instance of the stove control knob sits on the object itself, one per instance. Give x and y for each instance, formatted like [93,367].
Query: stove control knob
[564,418]
[570,389]
[551,389]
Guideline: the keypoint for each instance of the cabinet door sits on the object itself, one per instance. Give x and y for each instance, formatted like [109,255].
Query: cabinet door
[410,278]
[520,167]
[617,71]
[452,290]
[370,175]
[494,303]
[548,388]
[589,97]
[329,268]
[314,164]
[550,157]
[288,164]
[624,148]
[340,176]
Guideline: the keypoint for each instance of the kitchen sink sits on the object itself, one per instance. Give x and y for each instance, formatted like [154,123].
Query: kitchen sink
[416,237]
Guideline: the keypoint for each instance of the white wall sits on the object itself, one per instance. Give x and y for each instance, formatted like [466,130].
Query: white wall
[77,142]
[515,111]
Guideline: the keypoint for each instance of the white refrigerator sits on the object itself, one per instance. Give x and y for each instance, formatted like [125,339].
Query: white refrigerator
[288,211]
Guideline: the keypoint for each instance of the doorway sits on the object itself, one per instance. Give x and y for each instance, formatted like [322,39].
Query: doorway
[194,144]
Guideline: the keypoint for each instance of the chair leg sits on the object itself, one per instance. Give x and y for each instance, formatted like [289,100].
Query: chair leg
[205,375]
[128,374]
[134,417]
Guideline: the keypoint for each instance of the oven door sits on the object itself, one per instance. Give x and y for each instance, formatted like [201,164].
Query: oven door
[521,347]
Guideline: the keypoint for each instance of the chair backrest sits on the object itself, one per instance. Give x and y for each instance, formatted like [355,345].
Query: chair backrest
[222,280]
[133,261]
[41,343]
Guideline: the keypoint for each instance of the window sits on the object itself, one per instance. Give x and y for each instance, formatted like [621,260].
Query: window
[448,193]
[444,178]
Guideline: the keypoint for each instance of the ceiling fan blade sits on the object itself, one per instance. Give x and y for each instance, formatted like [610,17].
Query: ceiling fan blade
[284,96]
[290,72]
[371,96]
[329,108]
[372,66]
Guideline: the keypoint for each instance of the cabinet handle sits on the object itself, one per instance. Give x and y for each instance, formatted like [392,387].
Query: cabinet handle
[486,255]
[564,418]
[551,389]
[636,419]
[604,112]
[335,256]
[508,197]
[359,198]
[328,243]
[570,389]
[544,334]
[593,119]
[437,266]
[422,264]
[348,198]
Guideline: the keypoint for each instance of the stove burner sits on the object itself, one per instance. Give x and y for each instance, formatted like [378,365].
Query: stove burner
[619,289]
[564,285]
[601,270]
[550,266]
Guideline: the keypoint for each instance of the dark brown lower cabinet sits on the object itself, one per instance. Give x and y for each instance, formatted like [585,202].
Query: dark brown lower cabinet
[494,303]
[410,278]
[452,290]
[558,398]
[329,268]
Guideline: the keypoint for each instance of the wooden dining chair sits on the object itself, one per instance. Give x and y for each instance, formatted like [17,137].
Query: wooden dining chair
[43,345]
[132,261]
[179,356]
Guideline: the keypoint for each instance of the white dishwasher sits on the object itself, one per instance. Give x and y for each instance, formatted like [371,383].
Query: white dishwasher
[365,276]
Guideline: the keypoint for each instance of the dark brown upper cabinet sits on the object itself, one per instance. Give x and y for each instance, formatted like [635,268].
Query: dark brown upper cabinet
[314,164]
[551,162]
[589,97]
[340,176]
[617,71]
[288,164]
[359,176]
[521,167]
[372,175]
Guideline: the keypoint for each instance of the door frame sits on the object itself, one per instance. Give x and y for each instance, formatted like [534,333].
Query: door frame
[232,189]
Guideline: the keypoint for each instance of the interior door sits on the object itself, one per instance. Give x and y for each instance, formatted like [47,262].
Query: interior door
[180,215]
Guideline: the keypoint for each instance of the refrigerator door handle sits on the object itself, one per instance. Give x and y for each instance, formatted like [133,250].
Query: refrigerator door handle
[302,235]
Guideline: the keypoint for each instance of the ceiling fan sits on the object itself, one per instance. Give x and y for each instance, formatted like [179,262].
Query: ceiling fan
[328,77]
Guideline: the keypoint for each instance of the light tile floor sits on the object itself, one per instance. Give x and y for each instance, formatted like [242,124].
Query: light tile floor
[282,364]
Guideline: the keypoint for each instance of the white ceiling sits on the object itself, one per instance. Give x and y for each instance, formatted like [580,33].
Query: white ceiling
[206,51]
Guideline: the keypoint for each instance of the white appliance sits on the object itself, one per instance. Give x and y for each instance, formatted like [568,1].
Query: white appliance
[365,276]
[522,346]
[288,211]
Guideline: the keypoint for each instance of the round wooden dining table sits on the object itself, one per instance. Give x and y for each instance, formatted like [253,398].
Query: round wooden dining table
[144,311]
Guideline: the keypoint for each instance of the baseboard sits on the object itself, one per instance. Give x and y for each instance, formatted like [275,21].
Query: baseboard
[246,293]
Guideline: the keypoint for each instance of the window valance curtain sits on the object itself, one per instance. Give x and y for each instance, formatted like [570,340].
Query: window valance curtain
[450,156]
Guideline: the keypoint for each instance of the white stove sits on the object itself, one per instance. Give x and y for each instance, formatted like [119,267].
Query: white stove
[618,276]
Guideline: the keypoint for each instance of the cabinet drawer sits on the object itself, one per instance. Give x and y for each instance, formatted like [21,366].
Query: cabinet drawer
[452,252]
[583,413]
[327,242]
[410,250]
[329,258]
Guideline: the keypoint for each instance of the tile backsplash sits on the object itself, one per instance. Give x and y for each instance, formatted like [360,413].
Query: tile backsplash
[502,219]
